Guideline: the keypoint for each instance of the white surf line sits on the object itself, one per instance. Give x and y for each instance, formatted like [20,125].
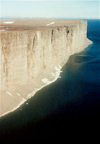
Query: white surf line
[9,93]
[50,23]
[8,22]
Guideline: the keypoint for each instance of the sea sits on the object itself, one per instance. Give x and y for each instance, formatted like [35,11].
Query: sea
[66,108]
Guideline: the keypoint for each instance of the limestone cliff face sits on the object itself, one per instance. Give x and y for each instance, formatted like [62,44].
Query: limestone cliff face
[29,56]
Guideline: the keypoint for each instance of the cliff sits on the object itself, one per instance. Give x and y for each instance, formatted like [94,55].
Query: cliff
[32,52]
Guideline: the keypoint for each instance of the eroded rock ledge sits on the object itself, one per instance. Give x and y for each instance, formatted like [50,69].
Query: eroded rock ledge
[32,53]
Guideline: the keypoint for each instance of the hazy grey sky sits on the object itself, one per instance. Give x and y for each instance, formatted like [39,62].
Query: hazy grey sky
[52,8]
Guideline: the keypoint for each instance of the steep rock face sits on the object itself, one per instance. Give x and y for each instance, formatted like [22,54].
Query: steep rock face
[31,59]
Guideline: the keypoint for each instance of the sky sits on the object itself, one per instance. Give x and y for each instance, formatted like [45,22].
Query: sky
[50,8]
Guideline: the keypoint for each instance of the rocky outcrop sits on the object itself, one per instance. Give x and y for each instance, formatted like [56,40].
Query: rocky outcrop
[32,58]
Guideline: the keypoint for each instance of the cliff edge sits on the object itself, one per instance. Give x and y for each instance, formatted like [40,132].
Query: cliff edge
[32,53]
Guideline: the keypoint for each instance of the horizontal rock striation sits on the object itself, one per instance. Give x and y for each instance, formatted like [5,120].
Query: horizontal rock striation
[32,54]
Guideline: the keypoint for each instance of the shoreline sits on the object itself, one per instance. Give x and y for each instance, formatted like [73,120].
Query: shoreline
[34,92]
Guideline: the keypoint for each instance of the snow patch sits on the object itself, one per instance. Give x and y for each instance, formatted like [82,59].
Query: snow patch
[8,22]
[50,23]
[45,80]
[57,69]
[38,35]
[9,93]
[18,94]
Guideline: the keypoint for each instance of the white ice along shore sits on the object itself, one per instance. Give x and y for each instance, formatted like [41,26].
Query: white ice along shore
[54,75]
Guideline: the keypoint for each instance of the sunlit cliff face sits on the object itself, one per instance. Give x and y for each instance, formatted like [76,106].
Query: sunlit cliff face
[32,57]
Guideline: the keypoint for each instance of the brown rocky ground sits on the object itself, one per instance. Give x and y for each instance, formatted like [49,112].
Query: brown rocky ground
[29,24]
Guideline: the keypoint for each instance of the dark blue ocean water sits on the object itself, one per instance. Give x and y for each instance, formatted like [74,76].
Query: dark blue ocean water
[69,104]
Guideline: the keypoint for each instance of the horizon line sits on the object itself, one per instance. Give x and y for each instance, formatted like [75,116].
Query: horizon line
[8,17]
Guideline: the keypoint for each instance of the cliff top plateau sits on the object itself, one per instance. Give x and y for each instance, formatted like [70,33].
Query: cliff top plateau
[31,24]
